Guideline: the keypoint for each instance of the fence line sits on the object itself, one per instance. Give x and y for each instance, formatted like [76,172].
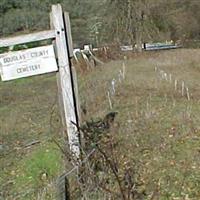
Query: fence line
[168,77]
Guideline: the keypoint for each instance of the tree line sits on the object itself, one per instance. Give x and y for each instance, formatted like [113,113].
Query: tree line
[105,22]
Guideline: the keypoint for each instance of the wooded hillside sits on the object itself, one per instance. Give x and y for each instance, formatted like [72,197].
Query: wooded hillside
[103,22]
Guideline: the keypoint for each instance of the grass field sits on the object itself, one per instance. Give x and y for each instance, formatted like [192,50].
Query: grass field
[157,128]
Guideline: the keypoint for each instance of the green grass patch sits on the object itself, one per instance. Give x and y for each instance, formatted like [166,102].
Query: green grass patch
[38,170]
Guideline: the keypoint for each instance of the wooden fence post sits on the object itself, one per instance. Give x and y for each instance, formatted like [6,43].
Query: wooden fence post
[68,32]
[64,188]
[65,82]
[72,68]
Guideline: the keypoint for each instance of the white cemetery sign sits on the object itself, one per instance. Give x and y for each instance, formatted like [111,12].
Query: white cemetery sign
[27,62]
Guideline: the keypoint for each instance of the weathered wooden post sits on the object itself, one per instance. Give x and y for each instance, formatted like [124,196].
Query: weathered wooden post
[65,81]
[72,68]
[67,88]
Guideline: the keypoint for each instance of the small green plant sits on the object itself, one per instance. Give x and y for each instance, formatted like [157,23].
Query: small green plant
[41,167]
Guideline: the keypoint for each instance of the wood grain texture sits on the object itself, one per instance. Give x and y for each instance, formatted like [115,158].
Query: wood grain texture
[26,38]
[64,79]
[69,34]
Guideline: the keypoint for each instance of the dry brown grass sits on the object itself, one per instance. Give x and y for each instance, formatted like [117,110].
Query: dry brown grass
[157,130]
[156,125]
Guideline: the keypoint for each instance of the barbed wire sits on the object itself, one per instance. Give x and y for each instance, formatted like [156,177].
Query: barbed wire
[80,164]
